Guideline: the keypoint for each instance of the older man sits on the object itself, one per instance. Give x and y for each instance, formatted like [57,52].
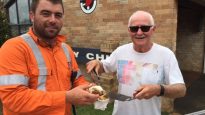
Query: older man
[145,70]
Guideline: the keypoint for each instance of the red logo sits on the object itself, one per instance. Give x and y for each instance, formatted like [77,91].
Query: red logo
[88,6]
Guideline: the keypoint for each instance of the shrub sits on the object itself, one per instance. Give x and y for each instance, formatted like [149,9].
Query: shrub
[4,25]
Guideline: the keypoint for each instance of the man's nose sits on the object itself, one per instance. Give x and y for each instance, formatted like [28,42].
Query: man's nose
[139,31]
[53,18]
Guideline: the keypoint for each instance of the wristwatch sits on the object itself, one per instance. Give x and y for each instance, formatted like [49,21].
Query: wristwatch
[161,90]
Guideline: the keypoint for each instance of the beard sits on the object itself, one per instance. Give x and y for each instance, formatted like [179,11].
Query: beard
[46,31]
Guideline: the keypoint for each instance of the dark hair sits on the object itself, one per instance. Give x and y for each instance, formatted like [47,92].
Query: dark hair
[35,3]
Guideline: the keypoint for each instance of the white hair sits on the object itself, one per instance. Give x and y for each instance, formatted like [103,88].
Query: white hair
[151,19]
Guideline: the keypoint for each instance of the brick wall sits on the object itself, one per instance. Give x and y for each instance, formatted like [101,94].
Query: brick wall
[108,23]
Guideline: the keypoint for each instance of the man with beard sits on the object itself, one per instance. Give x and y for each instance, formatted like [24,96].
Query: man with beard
[145,70]
[36,68]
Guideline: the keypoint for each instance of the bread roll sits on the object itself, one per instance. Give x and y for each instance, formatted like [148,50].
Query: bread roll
[98,90]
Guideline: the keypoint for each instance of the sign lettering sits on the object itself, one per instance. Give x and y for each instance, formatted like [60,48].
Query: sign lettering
[83,55]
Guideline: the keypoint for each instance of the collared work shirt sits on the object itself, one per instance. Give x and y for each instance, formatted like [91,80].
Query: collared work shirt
[19,79]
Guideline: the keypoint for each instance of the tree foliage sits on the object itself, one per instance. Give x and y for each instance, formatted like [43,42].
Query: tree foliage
[4,25]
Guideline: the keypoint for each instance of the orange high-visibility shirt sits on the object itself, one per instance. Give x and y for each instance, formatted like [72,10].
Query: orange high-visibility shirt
[19,79]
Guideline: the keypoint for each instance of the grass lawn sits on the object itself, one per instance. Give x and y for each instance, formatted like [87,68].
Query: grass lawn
[89,110]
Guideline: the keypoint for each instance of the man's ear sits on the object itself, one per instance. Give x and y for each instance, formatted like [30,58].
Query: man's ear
[154,27]
[128,29]
[31,16]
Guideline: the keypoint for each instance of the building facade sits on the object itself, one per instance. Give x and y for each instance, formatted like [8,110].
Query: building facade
[95,34]
[179,26]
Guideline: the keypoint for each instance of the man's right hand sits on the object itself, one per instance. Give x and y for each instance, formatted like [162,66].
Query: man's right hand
[80,96]
[94,65]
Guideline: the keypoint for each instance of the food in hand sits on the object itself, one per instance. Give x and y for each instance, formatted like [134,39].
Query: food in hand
[100,91]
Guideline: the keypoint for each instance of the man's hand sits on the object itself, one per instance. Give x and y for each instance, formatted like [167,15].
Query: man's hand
[80,96]
[147,91]
[171,91]
[95,65]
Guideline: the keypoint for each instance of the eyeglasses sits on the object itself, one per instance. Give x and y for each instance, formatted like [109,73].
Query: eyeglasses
[144,28]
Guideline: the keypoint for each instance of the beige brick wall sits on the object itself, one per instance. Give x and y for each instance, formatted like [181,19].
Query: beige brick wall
[108,23]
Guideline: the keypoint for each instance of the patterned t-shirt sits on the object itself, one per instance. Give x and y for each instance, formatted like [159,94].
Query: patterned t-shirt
[157,66]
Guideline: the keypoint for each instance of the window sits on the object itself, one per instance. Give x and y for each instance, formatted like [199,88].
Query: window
[18,13]
[13,20]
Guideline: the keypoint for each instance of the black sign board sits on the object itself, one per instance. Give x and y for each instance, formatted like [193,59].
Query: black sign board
[83,55]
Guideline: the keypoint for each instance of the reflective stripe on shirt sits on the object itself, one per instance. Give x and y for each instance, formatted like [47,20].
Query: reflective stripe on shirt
[66,52]
[78,74]
[14,79]
[40,61]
